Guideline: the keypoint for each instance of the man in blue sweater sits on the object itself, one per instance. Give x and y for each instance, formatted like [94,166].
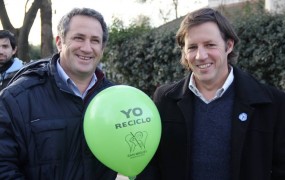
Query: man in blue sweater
[218,123]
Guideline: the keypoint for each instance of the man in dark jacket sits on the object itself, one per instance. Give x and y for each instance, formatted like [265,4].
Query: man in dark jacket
[9,64]
[218,123]
[42,110]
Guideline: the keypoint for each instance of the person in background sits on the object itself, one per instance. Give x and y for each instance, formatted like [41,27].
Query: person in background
[9,64]
[218,122]
[42,109]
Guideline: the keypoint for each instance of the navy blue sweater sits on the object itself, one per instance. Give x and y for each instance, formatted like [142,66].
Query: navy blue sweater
[211,140]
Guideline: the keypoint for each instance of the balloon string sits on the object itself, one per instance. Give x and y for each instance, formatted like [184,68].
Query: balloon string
[132,178]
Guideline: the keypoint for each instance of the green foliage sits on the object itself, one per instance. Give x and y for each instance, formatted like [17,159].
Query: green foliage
[119,33]
[262,47]
[145,59]
[35,52]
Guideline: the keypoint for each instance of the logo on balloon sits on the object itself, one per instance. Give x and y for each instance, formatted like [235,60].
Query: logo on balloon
[136,143]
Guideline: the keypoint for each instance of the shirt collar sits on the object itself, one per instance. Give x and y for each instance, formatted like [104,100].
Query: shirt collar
[219,93]
[71,84]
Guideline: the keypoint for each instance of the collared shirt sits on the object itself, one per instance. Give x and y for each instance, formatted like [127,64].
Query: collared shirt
[71,84]
[219,93]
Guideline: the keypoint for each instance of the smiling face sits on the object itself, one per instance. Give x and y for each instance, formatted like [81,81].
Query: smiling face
[82,47]
[206,53]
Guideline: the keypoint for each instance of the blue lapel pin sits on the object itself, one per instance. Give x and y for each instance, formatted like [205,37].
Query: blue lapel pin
[242,117]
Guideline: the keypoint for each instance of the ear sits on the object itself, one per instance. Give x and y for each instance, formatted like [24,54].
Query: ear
[58,42]
[229,46]
[14,51]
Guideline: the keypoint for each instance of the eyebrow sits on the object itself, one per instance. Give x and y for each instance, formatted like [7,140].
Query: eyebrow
[80,34]
[208,41]
[4,44]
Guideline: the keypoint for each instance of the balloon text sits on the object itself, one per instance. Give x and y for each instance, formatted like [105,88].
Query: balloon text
[135,111]
[132,122]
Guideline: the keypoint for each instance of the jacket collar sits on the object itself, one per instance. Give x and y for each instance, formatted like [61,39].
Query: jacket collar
[247,89]
[180,89]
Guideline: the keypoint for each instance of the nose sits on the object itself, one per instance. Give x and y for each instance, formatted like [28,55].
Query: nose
[86,46]
[201,53]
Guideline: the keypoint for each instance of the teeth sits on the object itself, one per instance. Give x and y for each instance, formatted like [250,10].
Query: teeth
[204,66]
[85,58]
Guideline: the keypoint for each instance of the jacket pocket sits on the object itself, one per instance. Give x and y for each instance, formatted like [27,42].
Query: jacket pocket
[49,138]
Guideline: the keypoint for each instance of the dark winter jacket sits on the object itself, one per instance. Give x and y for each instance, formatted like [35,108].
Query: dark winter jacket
[41,133]
[257,141]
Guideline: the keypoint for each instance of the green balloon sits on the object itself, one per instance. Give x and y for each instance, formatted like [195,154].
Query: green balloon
[122,128]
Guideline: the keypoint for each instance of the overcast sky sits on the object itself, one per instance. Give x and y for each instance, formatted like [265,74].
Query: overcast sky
[126,10]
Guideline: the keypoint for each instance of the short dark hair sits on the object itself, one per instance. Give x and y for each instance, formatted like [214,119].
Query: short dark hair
[201,16]
[63,25]
[10,36]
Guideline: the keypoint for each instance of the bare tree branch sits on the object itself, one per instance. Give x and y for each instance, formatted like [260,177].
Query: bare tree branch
[5,21]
